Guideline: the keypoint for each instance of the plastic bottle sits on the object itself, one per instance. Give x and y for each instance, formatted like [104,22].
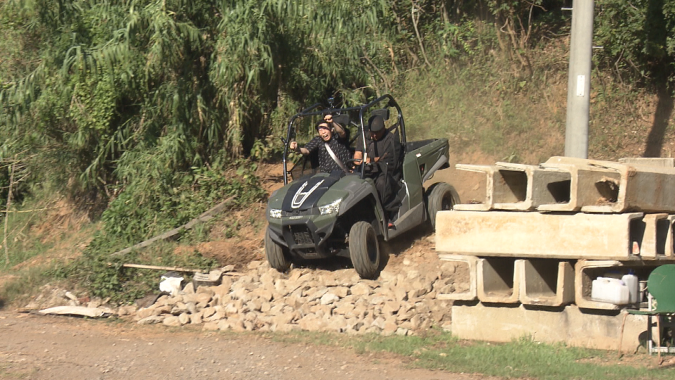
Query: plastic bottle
[612,290]
[631,282]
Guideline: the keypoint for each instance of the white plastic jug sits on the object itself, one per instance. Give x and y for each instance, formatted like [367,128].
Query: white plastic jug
[612,290]
[631,282]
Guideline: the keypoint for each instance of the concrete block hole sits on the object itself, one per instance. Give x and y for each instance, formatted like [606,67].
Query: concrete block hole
[512,187]
[498,276]
[541,278]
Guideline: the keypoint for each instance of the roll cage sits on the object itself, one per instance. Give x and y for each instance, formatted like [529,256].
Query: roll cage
[317,110]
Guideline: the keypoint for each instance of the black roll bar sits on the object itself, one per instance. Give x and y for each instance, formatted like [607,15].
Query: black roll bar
[310,112]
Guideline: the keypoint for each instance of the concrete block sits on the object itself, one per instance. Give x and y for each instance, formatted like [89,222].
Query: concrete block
[516,187]
[546,282]
[670,241]
[498,280]
[535,235]
[650,235]
[588,185]
[470,262]
[585,271]
[488,200]
[570,325]
[668,162]
[650,189]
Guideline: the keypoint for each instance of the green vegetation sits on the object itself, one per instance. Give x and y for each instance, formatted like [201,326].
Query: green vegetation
[142,114]
[517,359]
[145,113]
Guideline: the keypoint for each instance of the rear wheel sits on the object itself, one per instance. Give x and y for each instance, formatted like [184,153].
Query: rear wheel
[440,196]
[364,250]
[276,256]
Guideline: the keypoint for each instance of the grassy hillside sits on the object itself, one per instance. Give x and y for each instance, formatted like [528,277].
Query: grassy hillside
[486,119]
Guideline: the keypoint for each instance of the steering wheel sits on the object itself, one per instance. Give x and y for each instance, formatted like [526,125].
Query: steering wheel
[352,162]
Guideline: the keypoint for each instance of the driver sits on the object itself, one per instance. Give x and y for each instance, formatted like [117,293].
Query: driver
[333,154]
[380,146]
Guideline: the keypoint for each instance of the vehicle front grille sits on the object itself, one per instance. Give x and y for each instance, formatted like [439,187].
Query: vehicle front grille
[301,234]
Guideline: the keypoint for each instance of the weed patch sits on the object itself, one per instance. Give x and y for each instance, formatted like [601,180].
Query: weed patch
[518,359]
[149,208]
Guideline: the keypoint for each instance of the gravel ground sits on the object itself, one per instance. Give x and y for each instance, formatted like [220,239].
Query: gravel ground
[49,347]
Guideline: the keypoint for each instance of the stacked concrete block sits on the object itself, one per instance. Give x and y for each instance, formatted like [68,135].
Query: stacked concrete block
[498,280]
[535,235]
[544,232]
[546,282]
[625,188]
[564,184]
[570,325]
[518,187]
[667,162]
[467,292]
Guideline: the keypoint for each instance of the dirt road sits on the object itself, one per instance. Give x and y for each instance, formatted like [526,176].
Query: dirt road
[47,347]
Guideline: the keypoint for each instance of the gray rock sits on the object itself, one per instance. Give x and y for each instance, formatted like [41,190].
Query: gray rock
[340,291]
[416,293]
[196,319]
[283,319]
[189,288]
[171,321]
[337,323]
[401,331]
[448,269]
[126,310]
[204,297]
[329,298]
[151,320]
[312,323]
[360,289]
[344,308]
[191,307]
[317,294]
[208,312]
[210,326]
[379,322]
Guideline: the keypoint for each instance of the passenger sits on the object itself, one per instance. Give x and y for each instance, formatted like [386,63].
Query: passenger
[381,151]
[341,132]
[332,153]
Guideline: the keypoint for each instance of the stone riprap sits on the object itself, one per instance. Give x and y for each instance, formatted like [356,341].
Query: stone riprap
[263,299]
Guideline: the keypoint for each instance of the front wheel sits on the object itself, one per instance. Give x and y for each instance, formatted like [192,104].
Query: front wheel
[440,196]
[364,250]
[276,256]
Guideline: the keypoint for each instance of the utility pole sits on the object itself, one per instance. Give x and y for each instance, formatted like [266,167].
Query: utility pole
[579,79]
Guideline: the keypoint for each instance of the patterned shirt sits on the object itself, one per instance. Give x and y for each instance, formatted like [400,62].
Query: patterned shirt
[326,162]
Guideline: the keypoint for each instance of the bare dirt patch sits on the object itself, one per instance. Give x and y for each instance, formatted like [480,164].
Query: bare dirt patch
[59,225]
[43,347]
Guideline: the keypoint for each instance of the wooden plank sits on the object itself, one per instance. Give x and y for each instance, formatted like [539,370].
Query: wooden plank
[200,219]
[75,310]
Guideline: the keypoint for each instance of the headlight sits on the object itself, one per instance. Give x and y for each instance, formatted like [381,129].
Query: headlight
[275,213]
[331,208]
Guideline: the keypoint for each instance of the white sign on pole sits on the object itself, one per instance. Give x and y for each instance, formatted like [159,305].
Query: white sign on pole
[581,85]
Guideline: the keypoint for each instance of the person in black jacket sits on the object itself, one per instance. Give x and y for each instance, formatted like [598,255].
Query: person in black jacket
[326,143]
[381,153]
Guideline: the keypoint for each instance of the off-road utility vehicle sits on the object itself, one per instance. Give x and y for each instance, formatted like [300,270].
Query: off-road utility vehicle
[317,215]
